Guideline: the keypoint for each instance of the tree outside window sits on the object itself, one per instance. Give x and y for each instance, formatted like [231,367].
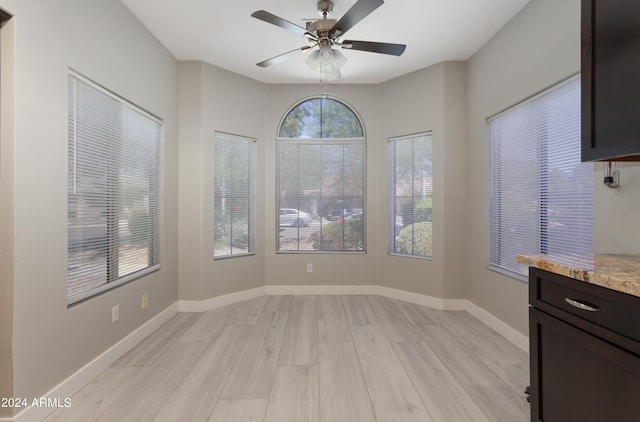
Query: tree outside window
[410,168]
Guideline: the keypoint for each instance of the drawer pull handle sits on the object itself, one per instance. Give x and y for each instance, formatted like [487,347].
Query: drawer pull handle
[581,305]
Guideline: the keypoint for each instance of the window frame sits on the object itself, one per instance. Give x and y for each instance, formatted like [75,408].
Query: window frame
[428,134]
[321,141]
[114,201]
[251,144]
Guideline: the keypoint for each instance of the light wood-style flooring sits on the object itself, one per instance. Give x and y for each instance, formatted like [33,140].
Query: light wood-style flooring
[313,358]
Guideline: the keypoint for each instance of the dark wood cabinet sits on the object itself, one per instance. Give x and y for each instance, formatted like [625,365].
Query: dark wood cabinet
[610,80]
[584,351]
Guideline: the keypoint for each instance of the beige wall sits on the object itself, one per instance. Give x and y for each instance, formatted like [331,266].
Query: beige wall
[190,180]
[432,99]
[7,154]
[213,99]
[411,104]
[455,183]
[617,211]
[232,104]
[537,48]
[103,41]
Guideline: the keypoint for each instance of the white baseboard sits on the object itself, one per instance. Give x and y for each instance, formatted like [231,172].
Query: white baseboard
[417,298]
[322,290]
[220,301]
[424,300]
[84,375]
[497,325]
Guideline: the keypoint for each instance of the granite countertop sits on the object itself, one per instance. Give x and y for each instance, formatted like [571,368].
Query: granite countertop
[619,272]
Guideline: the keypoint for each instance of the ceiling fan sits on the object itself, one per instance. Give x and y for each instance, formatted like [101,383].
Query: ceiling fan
[327,33]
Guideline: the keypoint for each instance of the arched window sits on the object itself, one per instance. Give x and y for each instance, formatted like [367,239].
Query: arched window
[321,178]
[321,118]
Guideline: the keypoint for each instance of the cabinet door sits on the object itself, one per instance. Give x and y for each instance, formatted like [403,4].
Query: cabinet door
[610,83]
[576,376]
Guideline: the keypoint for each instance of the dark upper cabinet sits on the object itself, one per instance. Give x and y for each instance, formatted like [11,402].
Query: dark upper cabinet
[611,80]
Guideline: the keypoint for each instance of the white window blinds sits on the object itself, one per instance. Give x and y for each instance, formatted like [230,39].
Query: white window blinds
[113,177]
[410,167]
[235,192]
[321,178]
[541,194]
[322,183]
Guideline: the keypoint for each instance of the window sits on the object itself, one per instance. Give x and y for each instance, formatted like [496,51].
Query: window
[235,192]
[321,179]
[112,190]
[411,195]
[541,194]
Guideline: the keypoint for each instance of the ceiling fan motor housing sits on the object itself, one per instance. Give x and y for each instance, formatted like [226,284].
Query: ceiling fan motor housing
[322,27]
[325,7]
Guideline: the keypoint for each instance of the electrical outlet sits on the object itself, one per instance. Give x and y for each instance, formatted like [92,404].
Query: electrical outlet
[309,267]
[115,313]
[145,300]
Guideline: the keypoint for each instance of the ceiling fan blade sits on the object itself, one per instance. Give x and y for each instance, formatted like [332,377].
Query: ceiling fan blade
[275,20]
[375,47]
[358,11]
[284,56]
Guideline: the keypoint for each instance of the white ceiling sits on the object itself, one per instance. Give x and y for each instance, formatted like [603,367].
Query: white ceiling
[224,34]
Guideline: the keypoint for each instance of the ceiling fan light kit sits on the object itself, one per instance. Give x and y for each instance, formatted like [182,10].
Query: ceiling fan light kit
[324,34]
[328,61]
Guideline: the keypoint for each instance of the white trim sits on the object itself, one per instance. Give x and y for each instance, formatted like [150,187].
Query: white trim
[84,375]
[499,326]
[424,300]
[220,301]
[322,290]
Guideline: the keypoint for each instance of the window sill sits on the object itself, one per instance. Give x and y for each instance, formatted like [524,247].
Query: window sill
[423,258]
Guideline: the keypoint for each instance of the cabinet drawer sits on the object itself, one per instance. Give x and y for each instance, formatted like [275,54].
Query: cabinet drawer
[604,310]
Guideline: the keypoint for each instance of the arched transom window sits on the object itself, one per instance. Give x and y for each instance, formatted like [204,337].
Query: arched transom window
[321,178]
